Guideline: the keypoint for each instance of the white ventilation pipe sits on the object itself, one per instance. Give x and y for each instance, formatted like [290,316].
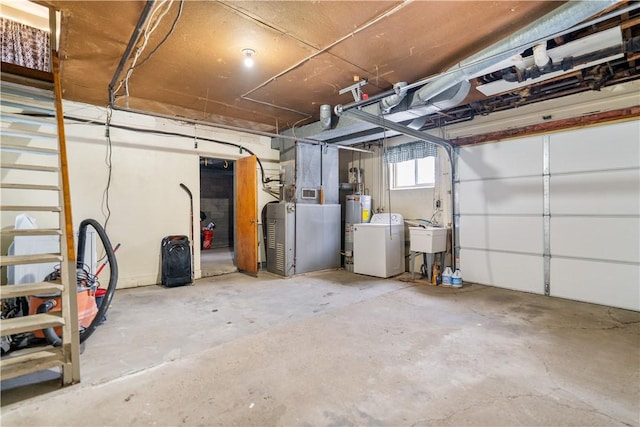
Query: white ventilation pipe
[540,57]
[563,17]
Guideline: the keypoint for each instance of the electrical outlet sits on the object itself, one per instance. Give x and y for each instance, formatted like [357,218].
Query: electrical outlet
[437,203]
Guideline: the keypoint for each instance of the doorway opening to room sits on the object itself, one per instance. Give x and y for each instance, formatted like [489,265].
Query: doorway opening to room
[217,217]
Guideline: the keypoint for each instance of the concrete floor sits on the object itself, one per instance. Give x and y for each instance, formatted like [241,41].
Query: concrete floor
[334,348]
[214,262]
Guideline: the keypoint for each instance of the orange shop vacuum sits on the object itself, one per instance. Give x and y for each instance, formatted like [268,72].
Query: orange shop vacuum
[93,301]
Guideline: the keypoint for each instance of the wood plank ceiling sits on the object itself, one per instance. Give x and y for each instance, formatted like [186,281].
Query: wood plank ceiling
[306,51]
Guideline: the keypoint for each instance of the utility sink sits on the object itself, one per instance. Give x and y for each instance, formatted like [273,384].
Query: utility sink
[429,240]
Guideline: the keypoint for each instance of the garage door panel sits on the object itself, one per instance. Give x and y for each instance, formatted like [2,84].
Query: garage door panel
[612,146]
[517,234]
[613,239]
[504,270]
[502,196]
[508,159]
[594,214]
[604,193]
[610,284]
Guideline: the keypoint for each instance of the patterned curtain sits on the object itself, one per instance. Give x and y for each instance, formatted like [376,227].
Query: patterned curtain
[410,151]
[24,45]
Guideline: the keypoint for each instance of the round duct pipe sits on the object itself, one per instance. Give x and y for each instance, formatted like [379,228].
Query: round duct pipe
[325,116]
[392,100]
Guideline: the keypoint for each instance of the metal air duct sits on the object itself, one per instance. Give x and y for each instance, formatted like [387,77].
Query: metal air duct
[451,88]
[392,100]
[325,116]
[485,61]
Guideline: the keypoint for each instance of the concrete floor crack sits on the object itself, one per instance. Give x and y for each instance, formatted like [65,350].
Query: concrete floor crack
[622,322]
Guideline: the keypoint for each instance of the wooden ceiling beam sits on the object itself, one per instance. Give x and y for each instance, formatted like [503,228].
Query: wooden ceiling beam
[621,114]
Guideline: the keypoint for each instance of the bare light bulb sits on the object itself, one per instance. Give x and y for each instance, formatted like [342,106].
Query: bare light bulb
[248,57]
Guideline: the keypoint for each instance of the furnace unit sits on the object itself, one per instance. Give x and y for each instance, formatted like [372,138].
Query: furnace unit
[302,238]
[303,230]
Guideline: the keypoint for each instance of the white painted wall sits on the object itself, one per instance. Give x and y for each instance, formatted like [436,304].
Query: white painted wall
[145,198]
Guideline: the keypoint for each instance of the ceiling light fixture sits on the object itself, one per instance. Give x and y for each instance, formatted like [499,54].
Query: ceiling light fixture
[248,57]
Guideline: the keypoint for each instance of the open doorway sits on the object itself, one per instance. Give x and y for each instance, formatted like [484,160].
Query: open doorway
[217,213]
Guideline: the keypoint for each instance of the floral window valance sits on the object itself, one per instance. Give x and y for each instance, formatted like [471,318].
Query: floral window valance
[24,45]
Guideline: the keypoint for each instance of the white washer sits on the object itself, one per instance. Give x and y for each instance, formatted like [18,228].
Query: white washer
[378,246]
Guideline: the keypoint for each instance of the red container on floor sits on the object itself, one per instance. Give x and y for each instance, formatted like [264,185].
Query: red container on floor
[207,238]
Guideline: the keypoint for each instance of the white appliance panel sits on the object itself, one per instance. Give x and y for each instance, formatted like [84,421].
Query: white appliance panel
[378,247]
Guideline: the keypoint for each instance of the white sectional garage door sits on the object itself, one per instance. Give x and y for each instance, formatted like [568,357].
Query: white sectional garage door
[556,214]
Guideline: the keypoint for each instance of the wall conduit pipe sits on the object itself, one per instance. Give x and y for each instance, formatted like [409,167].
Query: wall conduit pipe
[233,128]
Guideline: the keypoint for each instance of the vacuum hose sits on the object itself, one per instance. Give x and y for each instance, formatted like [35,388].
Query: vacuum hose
[49,333]
[113,278]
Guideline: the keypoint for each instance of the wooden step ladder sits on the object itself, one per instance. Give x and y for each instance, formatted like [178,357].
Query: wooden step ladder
[35,181]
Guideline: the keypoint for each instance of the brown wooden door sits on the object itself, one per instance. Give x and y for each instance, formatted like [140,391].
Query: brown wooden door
[247,215]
